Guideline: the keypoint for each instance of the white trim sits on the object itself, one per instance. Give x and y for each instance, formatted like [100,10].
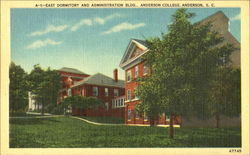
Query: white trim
[129,73]
[132,60]
[106,92]
[135,99]
[145,66]
[136,71]
[127,51]
[132,50]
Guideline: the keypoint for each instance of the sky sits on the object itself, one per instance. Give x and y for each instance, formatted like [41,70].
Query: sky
[91,40]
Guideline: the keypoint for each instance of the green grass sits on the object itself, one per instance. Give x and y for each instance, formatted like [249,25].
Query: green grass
[66,132]
[110,120]
[21,114]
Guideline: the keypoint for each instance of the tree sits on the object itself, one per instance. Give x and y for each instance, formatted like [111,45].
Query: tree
[182,63]
[81,102]
[18,92]
[225,93]
[45,85]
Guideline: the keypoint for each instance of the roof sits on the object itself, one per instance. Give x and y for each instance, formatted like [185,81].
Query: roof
[125,59]
[143,42]
[100,79]
[71,70]
[132,43]
[218,13]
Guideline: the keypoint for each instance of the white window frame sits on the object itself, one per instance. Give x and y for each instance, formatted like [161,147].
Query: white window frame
[129,114]
[128,94]
[129,76]
[106,91]
[136,71]
[116,92]
[95,91]
[69,92]
[145,68]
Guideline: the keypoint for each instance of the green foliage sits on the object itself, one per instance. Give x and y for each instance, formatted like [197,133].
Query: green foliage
[225,93]
[81,102]
[45,85]
[65,132]
[182,64]
[18,88]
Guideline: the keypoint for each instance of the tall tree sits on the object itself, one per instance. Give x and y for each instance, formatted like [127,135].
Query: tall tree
[225,93]
[18,92]
[182,63]
[45,85]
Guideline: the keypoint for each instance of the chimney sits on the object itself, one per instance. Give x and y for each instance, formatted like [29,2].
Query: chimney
[115,75]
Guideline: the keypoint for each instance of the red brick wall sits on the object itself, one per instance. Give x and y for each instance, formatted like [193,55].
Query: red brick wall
[132,104]
[101,111]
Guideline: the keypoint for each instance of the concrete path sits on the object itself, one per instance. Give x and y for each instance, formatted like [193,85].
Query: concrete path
[90,122]
[82,119]
[37,113]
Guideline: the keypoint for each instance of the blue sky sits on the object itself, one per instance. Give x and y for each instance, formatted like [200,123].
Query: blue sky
[91,40]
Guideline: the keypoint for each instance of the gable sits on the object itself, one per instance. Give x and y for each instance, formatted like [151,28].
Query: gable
[134,49]
[137,51]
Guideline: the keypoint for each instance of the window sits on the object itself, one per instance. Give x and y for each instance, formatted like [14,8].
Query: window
[135,93]
[116,92]
[129,114]
[137,116]
[83,92]
[107,105]
[95,91]
[145,69]
[128,75]
[136,71]
[106,92]
[167,118]
[69,92]
[129,94]
[122,102]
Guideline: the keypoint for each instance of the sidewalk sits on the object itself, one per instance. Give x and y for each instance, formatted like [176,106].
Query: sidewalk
[90,122]
[165,126]
[37,113]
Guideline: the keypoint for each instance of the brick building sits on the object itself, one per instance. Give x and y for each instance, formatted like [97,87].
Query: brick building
[134,67]
[68,77]
[107,89]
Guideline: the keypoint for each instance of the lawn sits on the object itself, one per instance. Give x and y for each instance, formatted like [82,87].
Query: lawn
[67,132]
[20,114]
[110,120]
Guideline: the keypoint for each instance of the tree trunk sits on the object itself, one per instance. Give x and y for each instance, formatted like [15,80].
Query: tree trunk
[171,127]
[151,122]
[217,120]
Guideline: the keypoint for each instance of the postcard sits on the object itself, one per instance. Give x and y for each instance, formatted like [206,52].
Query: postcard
[124,77]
